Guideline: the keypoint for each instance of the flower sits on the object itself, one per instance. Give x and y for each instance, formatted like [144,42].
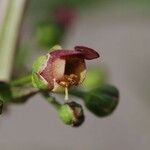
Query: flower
[62,68]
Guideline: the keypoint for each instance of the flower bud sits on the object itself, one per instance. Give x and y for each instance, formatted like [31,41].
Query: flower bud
[71,113]
[103,100]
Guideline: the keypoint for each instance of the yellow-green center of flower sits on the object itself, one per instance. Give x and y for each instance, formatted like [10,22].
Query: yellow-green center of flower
[68,81]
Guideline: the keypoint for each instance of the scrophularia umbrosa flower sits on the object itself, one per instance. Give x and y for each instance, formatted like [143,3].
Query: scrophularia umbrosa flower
[61,68]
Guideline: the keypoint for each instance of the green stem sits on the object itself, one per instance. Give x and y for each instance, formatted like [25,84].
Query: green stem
[21,94]
[51,100]
[21,81]
[9,36]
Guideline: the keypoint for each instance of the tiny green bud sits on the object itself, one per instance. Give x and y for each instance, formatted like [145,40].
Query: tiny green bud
[71,113]
[37,80]
[103,100]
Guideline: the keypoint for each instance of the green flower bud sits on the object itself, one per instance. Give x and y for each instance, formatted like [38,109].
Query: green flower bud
[103,100]
[37,80]
[108,90]
[71,113]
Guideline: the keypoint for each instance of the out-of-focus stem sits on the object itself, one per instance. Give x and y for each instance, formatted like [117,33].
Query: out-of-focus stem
[51,100]
[9,34]
[3,5]
[21,81]
[21,94]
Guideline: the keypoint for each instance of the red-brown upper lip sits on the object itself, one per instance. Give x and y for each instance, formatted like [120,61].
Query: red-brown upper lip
[79,51]
[87,52]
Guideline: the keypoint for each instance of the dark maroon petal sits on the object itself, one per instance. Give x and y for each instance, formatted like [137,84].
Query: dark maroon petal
[88,53]
[66,54]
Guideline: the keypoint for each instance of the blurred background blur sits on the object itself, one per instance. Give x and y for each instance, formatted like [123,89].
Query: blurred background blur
[120,31]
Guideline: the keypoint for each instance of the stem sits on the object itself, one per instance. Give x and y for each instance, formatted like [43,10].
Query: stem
[22,94]
[9,36]
[21,81]
[51,100]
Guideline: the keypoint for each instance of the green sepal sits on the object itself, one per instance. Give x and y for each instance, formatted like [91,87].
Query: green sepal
[37,81]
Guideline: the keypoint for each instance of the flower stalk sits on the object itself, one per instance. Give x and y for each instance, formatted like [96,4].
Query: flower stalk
[21,81]
[50,99]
